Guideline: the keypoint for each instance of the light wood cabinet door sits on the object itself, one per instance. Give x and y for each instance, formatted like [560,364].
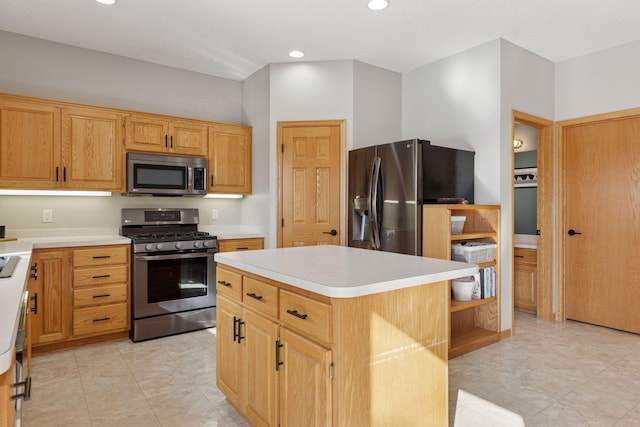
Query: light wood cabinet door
[230,159]
[229,367]
[158,134]
[188,138]
[261,395]
[92,149]
[7,405]
[525,274]
[50,291]
[29,144]
[305,385]
[147,133]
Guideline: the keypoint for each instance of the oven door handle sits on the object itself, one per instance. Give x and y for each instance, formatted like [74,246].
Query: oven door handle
[174,256]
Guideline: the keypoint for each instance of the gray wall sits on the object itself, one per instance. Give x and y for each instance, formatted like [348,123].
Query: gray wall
[45,69]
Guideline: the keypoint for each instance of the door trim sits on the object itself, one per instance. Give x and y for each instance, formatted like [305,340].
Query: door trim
[544,266]
[561,196]
[343,167]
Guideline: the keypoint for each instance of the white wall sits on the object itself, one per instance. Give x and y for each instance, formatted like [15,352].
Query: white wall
[45,69]
[600,82]
[255,105]
[465,101]
[377,105]
[527,85]
[455,103]
[307,91]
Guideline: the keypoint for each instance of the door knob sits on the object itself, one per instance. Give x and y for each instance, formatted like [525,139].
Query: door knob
[332,232]
[573,232]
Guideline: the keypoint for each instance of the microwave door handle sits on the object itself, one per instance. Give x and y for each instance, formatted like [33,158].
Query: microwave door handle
[174,256]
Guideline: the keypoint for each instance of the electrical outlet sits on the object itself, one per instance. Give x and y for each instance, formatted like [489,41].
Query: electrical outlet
[214,213]
[47,215]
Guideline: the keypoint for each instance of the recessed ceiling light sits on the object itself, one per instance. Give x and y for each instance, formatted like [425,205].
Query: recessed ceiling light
[377,4]
[109,2]
[296,54]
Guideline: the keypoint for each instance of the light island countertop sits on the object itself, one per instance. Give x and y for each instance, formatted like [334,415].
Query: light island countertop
[344,272]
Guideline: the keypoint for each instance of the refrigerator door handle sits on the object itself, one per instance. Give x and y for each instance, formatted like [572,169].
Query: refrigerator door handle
[375,228]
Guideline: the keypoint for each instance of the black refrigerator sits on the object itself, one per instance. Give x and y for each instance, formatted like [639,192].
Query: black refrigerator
[389,183]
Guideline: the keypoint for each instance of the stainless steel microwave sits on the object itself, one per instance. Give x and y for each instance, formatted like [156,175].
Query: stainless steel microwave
[166,175]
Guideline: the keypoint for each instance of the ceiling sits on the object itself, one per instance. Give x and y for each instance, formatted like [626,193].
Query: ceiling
[235,38]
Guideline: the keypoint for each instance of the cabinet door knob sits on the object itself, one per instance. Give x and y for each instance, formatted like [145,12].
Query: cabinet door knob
[573,232]
[332,232]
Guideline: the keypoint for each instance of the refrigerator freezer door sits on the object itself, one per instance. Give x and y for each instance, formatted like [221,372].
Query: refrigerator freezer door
[400,205]
[360,175]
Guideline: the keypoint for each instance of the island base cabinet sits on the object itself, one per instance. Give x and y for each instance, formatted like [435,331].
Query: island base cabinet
[305,384]
[377,360]
[228,351]
[390,355]
[261,397]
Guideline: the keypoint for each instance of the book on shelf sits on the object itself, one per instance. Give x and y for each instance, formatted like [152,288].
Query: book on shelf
[485,283]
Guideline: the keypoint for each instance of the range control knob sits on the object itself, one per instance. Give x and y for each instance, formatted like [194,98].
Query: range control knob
[160,246]
[197,244]
[209,243]
[148,247]
[179,245]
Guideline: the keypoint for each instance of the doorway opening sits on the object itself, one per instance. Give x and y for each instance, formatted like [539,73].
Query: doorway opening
[532,189]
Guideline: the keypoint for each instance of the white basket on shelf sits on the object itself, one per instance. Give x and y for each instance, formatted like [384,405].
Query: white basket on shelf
[457,224]
[473,252]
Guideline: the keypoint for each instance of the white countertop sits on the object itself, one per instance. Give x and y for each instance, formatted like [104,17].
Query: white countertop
[528,241]
[11,289]
[344,272]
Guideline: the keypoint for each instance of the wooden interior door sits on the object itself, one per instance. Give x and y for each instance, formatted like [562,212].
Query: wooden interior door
[602,207]
[311,185]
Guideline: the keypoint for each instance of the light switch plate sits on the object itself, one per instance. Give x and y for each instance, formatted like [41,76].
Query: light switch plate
[214,213]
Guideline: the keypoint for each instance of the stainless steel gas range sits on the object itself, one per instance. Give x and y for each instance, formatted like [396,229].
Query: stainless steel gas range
[172,272]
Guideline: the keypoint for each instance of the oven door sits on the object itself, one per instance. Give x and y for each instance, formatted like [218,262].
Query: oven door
[174,282]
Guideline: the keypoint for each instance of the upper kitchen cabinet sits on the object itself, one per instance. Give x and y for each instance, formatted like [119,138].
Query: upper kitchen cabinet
[160,134]
[26,129]
[230,159]
[91,155]
[45,145]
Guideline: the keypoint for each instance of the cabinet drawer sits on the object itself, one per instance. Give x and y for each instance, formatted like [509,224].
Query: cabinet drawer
[230,245]
[260,296]
[524,255]
[229,284]
[107,294]
[101,256]
[100,275]
[306,315]
[96,320]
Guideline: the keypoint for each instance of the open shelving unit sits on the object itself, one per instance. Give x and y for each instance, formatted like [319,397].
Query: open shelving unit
[476,323]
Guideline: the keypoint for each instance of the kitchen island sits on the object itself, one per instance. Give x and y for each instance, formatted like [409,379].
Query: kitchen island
[331,335]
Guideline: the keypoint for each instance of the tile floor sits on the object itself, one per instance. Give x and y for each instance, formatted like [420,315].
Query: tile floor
[553,374]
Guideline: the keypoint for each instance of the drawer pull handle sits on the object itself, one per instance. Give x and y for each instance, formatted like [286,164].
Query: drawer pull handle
[102,319]
[243,248]
[254,296]
[102,257]
[278,347]
[26,391]
[102,296]
[518,256]
[223,283]
[103,276]
[298,315]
